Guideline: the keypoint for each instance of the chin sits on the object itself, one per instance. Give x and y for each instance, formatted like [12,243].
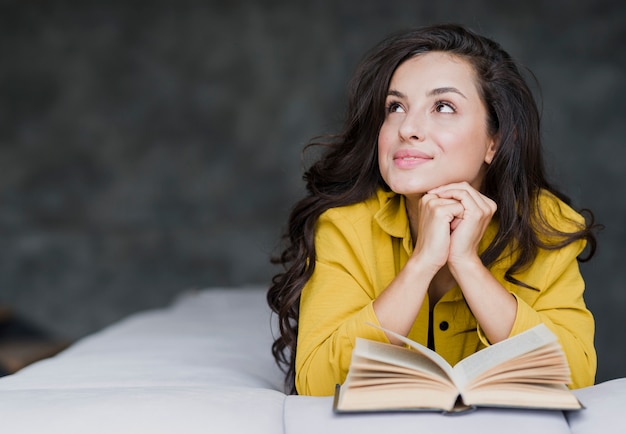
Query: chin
[411,190]
[409,186]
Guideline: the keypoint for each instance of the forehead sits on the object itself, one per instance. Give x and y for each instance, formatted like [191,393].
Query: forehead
[435,69]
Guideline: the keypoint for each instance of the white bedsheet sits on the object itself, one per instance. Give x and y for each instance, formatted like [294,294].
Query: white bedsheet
[203,365]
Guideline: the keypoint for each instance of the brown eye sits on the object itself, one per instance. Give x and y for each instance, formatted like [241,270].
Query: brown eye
[444,107]
[394,107]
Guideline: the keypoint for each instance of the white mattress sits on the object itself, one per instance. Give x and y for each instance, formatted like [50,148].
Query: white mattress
[203,365]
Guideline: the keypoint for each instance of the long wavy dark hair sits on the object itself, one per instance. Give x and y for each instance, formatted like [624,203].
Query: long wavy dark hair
[348,172]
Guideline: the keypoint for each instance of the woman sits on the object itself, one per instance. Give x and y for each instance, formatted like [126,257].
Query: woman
[431,215]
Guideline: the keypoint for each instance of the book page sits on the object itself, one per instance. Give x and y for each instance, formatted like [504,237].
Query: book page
[393,397]
[547,364]
[499,353]
[425,351]
[542,396]
[379,357]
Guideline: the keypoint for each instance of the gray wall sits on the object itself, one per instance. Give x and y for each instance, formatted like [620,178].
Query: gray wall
[145,150]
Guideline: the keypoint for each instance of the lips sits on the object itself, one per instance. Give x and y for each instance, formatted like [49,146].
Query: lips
[411,154]
[409,158]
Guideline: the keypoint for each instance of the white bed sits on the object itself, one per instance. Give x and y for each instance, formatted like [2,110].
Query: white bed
[203,365]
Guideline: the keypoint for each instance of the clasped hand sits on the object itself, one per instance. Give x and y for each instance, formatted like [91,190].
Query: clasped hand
[451,221]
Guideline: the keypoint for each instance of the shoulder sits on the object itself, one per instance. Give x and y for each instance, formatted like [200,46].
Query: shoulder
[557,214]
[348,231]
[379,217]
[360,212]
[556,224]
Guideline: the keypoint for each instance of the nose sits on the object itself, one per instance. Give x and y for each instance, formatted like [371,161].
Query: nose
[412,127]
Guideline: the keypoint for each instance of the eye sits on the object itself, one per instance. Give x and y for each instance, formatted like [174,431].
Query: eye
[394,107]
[444,107]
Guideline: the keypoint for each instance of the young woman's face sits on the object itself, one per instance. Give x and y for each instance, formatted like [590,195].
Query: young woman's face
[435,127]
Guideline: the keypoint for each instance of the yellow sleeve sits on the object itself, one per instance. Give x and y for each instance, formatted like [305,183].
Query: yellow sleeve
[558,303]
[335,306]
[560,306]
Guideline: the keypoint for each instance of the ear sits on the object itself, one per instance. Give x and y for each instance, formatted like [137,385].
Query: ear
[491,151]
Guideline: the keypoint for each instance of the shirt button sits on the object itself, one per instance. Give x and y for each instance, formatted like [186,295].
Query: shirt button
[443,325]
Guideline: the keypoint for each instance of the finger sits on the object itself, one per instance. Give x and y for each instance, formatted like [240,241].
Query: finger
[468,196]
[452,186]
[455,223]
[443,209]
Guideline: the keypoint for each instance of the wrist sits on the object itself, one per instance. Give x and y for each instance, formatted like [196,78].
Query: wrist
[466,266]
[422,267]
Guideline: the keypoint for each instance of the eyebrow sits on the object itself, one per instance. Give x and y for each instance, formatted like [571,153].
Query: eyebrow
[395,93]
[433,92]
[442,90]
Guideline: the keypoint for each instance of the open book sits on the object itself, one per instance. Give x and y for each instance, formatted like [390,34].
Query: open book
[528,370]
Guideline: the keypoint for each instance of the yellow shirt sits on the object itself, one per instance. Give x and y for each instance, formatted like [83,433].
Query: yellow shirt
[360,248]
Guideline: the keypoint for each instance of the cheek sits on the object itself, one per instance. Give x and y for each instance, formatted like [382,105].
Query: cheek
[468,144]
[381,157]
[383,142]
[387,133]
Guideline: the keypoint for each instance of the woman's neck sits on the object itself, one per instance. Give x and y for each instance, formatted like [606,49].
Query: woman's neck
[411,203]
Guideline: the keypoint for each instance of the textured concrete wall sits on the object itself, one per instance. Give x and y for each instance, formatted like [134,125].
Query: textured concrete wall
[151,147]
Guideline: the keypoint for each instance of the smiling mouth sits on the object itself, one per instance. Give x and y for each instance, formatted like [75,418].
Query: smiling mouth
[413,158]
[410,161]
[411,155]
